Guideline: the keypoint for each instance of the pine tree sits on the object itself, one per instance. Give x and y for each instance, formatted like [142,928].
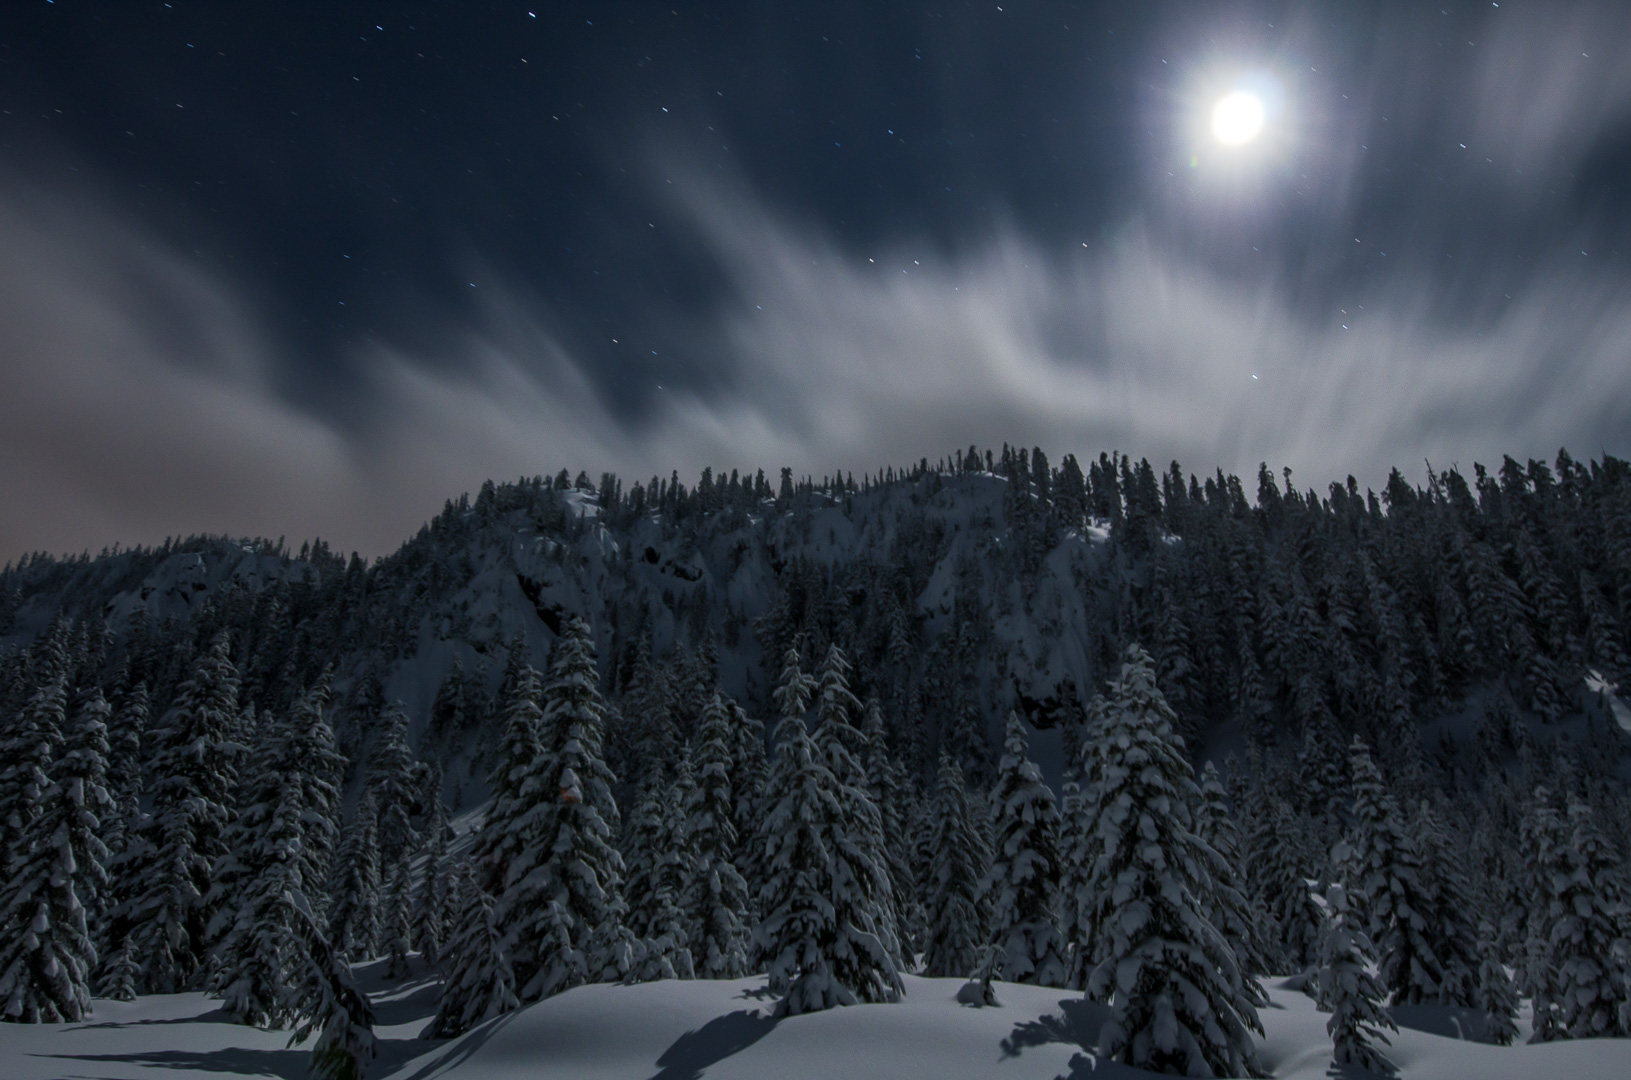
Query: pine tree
[1496,994]
[1177,997]
[431,901]
[718,901]
[480,983]
[814,961]
[395,911]
[46,952]
[564,851]
[860,871]
[28,741]
[394,782]
[496,843]
[1386,876]
[1232,916]
[1346,988]
[193,775]
[1021,884]
[262,949]
[331,1006]
[119,974]
[82,774]
[1450,917]
[955,931]
[354,916]
[1584,928]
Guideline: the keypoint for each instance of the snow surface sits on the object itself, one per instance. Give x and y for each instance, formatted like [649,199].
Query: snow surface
[723,1031]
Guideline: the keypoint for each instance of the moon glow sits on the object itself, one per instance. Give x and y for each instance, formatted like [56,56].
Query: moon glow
[1237,118]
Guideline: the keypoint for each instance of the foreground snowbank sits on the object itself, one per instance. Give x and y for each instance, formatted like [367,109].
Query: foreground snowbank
[723,1031]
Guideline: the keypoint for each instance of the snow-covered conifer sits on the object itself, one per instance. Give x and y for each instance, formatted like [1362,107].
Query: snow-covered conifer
[1022,882]
[81,772]
[480,983]
[1177,996]
[431,900]
[330,1005]
[1450,918]
[119,974]
[396,909]
[496,843]
[193,772]
[1232,916]
[955,931]
[1585,931]
[1496,995]
[814,961]
[46,952]
[860,871]
[1279,866]
[394,782]
[718,900]
[564,853]
[263,948]
[1347,990]
[354,914]
[1384,872]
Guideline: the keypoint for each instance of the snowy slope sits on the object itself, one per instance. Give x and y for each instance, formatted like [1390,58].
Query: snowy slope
[722,1030]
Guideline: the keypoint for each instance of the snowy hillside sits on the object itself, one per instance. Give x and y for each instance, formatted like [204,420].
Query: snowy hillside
[722,1031]
[560,781]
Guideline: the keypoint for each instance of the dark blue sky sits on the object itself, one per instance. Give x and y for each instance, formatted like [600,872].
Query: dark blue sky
[299,268]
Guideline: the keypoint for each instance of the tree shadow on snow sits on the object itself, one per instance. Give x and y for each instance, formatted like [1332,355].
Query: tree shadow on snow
[214,1016]
[712,1043]
[1077,1023]
[408,1004]
[234,1061]
[1448,1021]
[461,1048]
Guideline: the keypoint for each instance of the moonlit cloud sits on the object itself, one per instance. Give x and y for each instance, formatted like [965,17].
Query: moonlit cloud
[1217,323]
[111,433]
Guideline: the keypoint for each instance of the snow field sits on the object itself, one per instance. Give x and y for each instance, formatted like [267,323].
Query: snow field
[690,1030]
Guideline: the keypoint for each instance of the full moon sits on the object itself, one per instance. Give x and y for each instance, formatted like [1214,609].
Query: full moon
[1237,118]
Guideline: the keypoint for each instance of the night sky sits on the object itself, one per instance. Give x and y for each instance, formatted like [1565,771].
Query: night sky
[311,269]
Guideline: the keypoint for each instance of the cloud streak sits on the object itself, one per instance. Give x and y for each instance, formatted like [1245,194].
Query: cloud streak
[111,433]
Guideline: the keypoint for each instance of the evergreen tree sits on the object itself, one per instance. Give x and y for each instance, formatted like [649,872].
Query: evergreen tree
[1585,932]
[1347,989]
[815,961]
[46,953]
[354,916]
[860,870]
[81,772]
[431,902]
[1232,915]
[1450,917]
[1022,882]
[119,974]
[563,851]
[954,931]
[262,949]
[394,782]
[718,901]
[395,913]
[28,741]
[480,983]
[167,880]
[1496,994]
[331,1006]
[1385,874]
[496,843]
[1177,997]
